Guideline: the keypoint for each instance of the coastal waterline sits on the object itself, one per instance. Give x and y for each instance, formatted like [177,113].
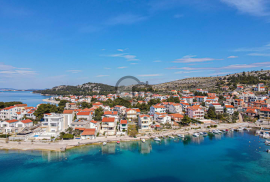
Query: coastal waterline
[238,156]
[26,97]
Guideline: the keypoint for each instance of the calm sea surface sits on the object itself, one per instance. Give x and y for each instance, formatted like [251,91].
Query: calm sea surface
[25,97]
[228,157]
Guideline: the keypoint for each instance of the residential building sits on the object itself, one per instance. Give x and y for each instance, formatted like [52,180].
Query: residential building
[195,112]
[157,108]
[84,115]
[8,113]
[176,117]
[218,108]
[123,126]
[53,123]
[175,108]
[132,114]
[108,126]
[265,114]
[89,133]
[144,123]
[229,109]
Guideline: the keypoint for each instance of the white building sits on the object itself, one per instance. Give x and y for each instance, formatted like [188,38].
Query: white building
[157,108]
[123,126]
[108,126]
[175,108]
[53,123]
[230,109]
[8,113]
[144,123]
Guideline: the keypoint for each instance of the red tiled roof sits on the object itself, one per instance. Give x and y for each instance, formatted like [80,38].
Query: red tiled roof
[67,111]
[265,109]
[144,115]
[176,115]
[12,121]
[89,131]
[20,105]
[123,122]
[83,113]
[93,121]
[110,113]
[158,106]
[105,119]
[26,121]
[229,106]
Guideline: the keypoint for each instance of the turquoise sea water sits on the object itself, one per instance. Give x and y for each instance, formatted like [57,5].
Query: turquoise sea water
[229,157]
[23,96]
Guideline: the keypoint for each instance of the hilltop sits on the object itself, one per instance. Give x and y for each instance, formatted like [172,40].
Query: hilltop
[214,83]
[207,83]
[86,88]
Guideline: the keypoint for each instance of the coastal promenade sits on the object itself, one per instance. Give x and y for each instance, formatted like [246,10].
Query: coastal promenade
[67,144]
[51,101]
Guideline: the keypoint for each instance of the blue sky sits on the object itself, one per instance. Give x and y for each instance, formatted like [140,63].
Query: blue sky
[49,43]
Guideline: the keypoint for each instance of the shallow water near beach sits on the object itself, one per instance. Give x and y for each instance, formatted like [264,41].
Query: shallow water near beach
[237,156]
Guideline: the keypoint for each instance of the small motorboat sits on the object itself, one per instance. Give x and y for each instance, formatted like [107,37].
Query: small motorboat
[104,143]
[266,135]
[118,142]
[181,135]
[171,137]
[240,129]
[143,140]
[164,137]
[157,139]
[267,142]
[268,150]
[196,135]
[205,134]
[201,133]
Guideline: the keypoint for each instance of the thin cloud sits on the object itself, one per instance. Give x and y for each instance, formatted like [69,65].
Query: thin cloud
[254,49]
[232,57]
[101,75]
[133,63]
[259,54]
[150,75]
[157,61]
[252,7]
[127,56]
[186,72]
[6,67]
[123,67]
[234,66]
[74,71]
[191,59]
[121,50]
[10,71]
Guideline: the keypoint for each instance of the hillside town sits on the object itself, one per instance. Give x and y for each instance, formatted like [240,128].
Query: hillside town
[133,114]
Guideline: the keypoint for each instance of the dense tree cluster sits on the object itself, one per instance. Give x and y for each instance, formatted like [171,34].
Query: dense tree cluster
[98,114]
[47,108]
[8,104]
[75,90]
